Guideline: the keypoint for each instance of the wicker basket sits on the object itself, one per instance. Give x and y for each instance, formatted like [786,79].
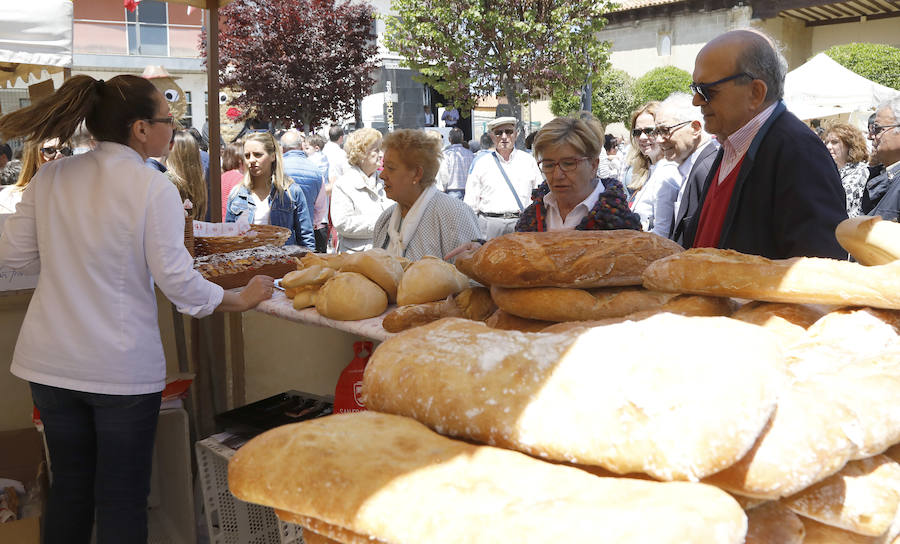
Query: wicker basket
[265,235]
[189,235]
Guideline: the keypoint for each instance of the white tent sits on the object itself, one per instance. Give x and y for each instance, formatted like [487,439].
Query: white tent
[35,35]
[822,88]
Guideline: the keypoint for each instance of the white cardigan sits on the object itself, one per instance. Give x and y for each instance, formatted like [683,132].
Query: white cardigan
[357,201]
[103,226]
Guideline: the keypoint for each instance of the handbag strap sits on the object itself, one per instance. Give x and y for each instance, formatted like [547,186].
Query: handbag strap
[508,183]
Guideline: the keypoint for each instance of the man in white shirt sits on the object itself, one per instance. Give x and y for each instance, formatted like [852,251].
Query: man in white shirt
[451,177]
[337,159]
[500,184]
[450,117]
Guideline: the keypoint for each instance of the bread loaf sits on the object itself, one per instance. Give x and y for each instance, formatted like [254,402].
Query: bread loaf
[314,275]
[429,279]
[870,240]
[722,272]
[305,298]
[563,304]
[819,533]
[509,322]
[625,409]
[824,419]
[472,303]
[787,321]
[569,258]
[773,523]
[379,266]
[350,296]
[328,260]
[863,497]
[392,479]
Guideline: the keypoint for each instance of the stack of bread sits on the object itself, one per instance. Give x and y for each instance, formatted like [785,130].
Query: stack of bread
[778,424]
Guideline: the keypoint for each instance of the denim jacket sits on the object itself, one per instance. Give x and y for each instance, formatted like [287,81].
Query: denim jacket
[289,211]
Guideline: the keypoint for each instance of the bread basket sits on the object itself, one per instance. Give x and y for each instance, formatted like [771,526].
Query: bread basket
[264,235]
[189,235]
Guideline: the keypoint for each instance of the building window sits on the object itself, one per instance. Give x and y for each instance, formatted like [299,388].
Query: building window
[664,46]
[148,33]
[188,120]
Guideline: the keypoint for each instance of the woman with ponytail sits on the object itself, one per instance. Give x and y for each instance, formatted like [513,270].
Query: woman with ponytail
[103,228]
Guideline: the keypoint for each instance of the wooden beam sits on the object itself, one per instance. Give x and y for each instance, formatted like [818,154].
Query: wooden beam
[212,114]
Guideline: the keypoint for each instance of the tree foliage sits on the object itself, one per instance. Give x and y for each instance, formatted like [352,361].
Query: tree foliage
[517,48]
[659,83]
[612,99]
[874,61]
[302,61]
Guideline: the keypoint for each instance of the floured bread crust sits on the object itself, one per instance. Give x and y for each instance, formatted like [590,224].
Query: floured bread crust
[772,523]
[787,321]
[569,258]
[428,280]
[379,266]
[564,304]
[391,478]
[626,394]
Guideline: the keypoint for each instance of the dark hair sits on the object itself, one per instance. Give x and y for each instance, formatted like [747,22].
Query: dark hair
[763,60]
[485,141]
[201,141]
[609,142]
[233,156]
[6,150]
[335,133]
[108,109]
[10,173]
[529,140]
[455,136]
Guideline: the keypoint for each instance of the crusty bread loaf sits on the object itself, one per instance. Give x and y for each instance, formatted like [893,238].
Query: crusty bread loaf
[870,240]
[625,408]
[687,305]
[429,279]
[312,537]
[824,419]
[314,275]
[379,266]
[472,303]
[787,321]
[819,533]
[569,258]
[508,322]
[325,533]
[475,303]
[393,479]
[328,260]
[723,272]
[863,497]
[772,523]
[564,304]
[305,298]
[350,296]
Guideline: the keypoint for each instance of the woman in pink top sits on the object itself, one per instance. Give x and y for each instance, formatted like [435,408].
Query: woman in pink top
[233,166]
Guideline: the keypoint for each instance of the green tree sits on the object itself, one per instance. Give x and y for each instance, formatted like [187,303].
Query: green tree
[874,61]
[612,98]
[517,48]
[659,83]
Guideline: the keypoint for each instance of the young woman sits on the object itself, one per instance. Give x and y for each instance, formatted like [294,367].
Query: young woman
[104,229]
[186,172]
[36,154]
[267,196]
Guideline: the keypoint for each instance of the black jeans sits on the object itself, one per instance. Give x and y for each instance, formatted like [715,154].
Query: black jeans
[101,451]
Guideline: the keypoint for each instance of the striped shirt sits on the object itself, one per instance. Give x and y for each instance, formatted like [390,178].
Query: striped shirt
[736,145]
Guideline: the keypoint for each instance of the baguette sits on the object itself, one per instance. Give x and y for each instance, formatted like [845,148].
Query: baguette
[570,258]
[392,479]
[625,409]
[787,321]
[508,322]
[820,533]
[870,240]
[773,523]
[562,304]
[722,272]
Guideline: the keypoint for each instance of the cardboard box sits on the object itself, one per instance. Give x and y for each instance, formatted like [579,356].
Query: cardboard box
[21,457]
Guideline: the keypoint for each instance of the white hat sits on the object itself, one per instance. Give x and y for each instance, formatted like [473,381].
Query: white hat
[494,123]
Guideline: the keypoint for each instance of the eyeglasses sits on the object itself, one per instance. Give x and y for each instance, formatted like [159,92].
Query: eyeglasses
[169,120]
[52,151]
[875,130]
[646,131]
[501,131]
[705,89]
[664,132]
[566,165]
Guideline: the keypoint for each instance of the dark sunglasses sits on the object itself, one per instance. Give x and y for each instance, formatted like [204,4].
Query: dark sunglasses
[51,151]
[705,89]
[502,131]
[875,130]
[646,131]
[664,131]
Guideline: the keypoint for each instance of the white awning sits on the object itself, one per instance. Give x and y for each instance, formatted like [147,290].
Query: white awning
[35,35]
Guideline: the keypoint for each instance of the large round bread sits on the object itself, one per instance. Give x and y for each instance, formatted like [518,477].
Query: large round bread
[379,266]
[563,304]
[428,280]
[569,258]
[350,296]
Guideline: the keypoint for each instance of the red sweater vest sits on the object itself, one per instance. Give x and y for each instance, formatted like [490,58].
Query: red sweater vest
[715,207]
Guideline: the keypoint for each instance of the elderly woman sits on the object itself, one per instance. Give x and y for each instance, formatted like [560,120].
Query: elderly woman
[268,196]
[847,146]
[424,221]
[358,198]
[572,197]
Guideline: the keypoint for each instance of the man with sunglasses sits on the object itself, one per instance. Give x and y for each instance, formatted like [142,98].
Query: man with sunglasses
[500,184]
[772,190]
[882,194]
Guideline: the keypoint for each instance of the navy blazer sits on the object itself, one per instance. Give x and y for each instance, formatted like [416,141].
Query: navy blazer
[787,198]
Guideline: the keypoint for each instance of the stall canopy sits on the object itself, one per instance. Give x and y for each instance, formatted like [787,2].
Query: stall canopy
[822,88]
[35,36]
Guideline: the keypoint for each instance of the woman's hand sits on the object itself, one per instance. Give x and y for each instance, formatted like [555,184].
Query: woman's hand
[259,289]
[466,250]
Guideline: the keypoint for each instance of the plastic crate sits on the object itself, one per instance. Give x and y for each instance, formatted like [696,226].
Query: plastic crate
[228,519]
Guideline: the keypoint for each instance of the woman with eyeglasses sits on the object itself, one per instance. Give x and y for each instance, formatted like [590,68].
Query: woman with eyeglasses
[104,228]
[268,196]
[847,147]
[35,155]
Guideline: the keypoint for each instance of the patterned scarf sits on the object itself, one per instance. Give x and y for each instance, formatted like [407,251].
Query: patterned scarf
[610,212]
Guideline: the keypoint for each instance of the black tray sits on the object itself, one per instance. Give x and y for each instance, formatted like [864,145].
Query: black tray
[260,416]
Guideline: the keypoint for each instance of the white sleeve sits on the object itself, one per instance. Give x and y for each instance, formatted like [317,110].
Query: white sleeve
[664,205]
[18,241]
[171,266]
[473,191]
[346,218]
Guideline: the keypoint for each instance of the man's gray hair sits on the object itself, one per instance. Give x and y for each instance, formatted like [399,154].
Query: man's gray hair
[763,60]
[681,107]
[455,136]
[892,104]
[291,140]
